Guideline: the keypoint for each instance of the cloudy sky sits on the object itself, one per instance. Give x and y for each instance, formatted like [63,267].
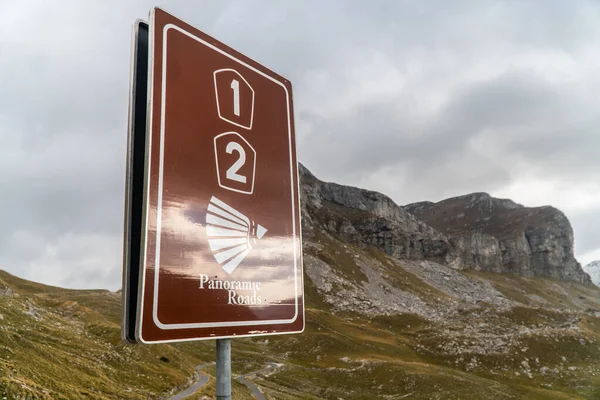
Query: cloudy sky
[419,100]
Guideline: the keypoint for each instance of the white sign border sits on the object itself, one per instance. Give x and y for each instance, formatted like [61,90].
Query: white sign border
[159,209]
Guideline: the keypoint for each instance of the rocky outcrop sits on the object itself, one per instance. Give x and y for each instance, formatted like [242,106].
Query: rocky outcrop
[5,290]
[478,249]
[475,231]
[500,235]
[593,269]
[365,217]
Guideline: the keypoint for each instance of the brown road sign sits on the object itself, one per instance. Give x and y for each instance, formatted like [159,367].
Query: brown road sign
[221,252]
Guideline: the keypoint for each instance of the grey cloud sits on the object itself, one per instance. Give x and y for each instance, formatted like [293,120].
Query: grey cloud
[420,100]
[437,151]
[524,119]
[587,232]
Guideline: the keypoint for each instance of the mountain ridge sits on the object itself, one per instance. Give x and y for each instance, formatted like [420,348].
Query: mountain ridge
[472,231]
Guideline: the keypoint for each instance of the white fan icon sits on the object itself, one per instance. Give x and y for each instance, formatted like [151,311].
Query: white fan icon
[229,233]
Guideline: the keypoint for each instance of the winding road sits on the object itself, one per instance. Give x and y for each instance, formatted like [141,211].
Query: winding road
[253,388]
[197,385]
[241,379]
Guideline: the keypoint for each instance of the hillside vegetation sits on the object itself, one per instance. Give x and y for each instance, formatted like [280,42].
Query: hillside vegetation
[395,309]
[65,344]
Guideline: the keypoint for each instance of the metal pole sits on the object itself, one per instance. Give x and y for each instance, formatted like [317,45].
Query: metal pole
[223,369]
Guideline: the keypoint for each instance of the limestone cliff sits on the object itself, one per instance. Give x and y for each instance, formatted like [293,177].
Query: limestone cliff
[499,235]
[365,217]
[474,231]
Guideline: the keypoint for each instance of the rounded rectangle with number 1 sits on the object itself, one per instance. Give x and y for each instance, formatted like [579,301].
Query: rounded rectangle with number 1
[222,252]
[235,97]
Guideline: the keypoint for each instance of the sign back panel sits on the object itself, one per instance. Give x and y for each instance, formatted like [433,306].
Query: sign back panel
[222,252]
[134,178]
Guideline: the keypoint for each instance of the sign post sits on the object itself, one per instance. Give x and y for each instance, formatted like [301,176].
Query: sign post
[223,369]
[213,246]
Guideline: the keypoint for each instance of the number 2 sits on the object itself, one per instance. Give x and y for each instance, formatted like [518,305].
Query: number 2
[235,85]
[232,172]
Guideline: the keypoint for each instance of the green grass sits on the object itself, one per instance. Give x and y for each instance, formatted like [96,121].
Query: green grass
[51,345]
[65,344]
[554,292]
[238,391]
[528,316]
[24,286]
[312,298]
[373,379]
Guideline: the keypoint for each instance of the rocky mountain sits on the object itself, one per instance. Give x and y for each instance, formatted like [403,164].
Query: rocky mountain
[365,217]
[474,231]
[393,311]
[593,269]
[365,256]
[499,235]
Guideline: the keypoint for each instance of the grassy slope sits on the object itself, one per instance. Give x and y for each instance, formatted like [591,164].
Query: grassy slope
[494,376]
[58,343]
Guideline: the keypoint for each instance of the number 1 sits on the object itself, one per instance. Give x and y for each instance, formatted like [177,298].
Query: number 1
[235,85]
